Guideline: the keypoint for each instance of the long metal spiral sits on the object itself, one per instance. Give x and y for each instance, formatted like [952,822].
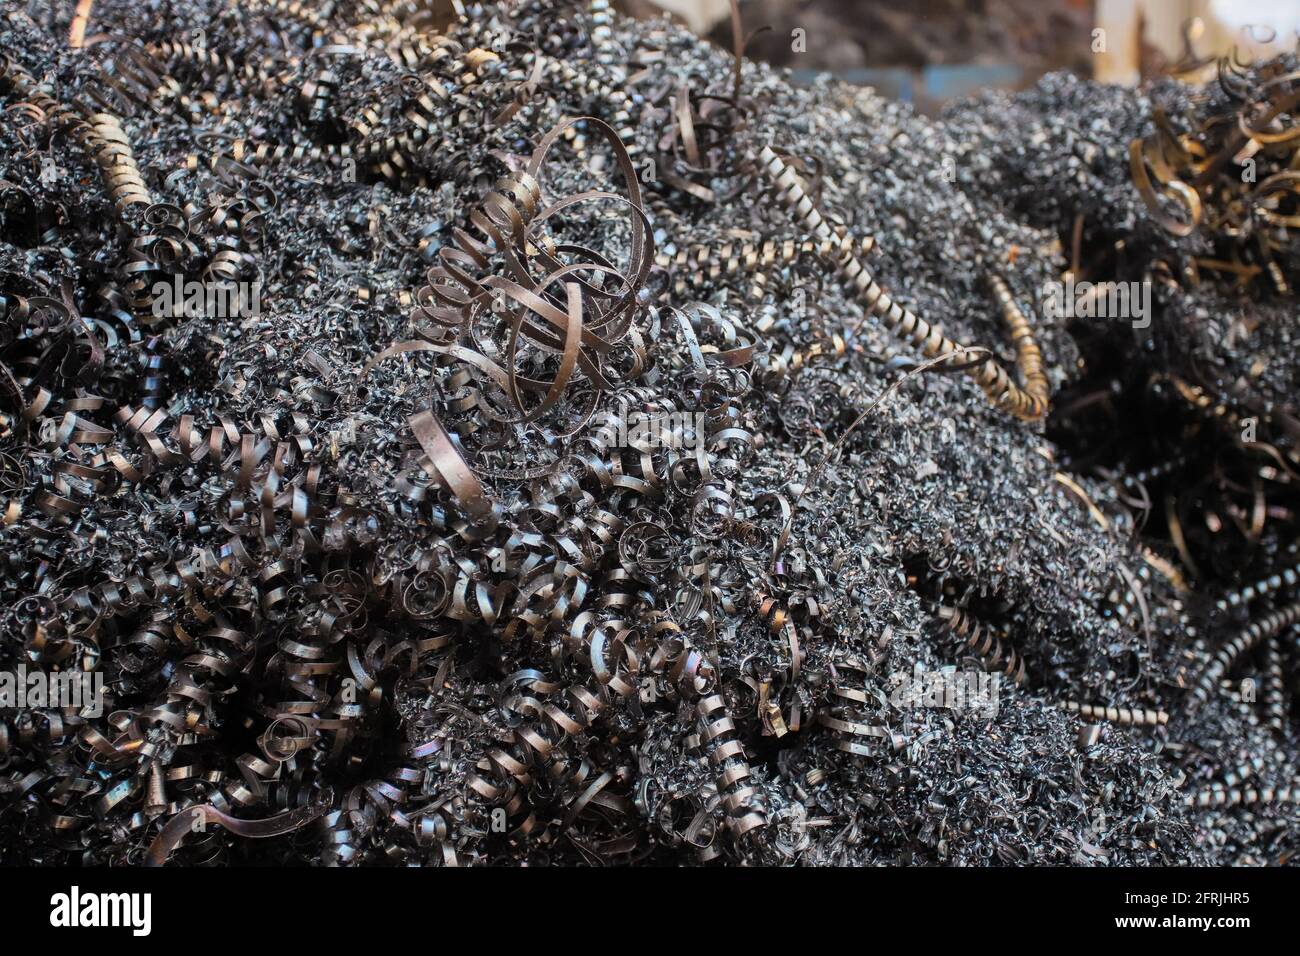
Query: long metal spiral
[1028,403]
[700,266]
[1265,627]
[1217,795]
[1274,689]
[1288,576]
[1157,471]
[719,741]
[989,646]
[1124,716]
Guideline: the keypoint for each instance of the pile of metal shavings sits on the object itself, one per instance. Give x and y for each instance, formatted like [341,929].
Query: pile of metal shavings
[387,570]
[1211,225]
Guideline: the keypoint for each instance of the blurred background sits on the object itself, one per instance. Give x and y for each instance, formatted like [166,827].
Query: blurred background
[930,51]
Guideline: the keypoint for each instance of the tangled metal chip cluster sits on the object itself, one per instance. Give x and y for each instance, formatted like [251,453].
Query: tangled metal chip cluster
[561,485]
[1232,173]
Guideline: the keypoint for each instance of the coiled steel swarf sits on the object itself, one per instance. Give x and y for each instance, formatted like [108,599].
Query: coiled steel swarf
[719,744]
[1124,604]
[1286,579]
[1262,628]
[1222,796]
[1274,689]
[1244,771]
[1164,469]
[154,383]
[847,714]
[701,267]
[1029,402]
[1124,716]
[990,646]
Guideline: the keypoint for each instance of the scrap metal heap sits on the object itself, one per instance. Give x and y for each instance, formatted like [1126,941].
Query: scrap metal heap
[619,439]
